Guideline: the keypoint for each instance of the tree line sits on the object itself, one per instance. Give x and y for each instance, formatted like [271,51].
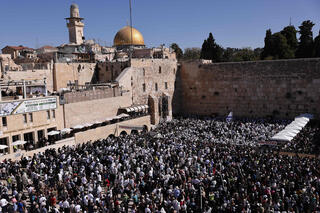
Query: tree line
[279,45]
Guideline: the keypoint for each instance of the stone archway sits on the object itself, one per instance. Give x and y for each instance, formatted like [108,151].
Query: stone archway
[164,107]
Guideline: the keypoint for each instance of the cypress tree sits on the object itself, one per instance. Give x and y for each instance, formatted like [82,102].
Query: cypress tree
[305,47]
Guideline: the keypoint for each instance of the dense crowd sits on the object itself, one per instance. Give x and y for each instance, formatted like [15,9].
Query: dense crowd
[186,165]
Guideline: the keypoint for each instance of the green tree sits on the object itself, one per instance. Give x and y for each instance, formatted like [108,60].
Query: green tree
[305,47]
[192,53]
[204,54]
[211,50]
[290,33]
[177,50]
[268,46]
[228,54]
[316,46]
[281,49]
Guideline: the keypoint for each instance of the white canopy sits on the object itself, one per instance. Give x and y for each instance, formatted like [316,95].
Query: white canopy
[293,128]
[3,147]
[123,115]
[65,131]
[77,127]
[53,133]
[16,143]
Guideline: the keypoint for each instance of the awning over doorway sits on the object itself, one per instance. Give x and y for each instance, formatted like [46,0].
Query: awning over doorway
[137,108]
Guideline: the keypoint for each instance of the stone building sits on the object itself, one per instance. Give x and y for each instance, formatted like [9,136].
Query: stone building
[19,51]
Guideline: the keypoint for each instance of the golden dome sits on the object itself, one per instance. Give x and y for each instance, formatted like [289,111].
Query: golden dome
[123,37]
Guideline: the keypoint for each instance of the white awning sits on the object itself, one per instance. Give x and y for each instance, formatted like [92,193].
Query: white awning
[293,128]
[108,119]
[129,109]
[136,109]
[116,117]
[123,115]
[3,147]
[16,143]
[77,127]
[144,107]
[65,131]
[53,133]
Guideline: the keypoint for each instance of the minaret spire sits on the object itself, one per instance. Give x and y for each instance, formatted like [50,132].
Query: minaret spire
[75,26]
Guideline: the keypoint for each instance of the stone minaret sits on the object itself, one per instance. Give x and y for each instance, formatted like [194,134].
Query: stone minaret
[75,26]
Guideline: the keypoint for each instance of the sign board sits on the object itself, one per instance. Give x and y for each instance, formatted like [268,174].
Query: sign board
[25,106]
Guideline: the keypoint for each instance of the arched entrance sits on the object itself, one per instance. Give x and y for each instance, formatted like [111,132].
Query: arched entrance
[163,107]
[134,132]
[123,133]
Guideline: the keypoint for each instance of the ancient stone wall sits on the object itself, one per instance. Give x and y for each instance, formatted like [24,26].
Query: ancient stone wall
[282,88]
[94,110]
[71,72]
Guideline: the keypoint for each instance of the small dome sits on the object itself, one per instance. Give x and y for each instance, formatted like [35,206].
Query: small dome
[123,37]
[74,6]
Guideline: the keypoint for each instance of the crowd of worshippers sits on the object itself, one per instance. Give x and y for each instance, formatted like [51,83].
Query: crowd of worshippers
[185,166]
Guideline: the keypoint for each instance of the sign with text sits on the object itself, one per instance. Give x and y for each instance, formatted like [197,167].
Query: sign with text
[25,106]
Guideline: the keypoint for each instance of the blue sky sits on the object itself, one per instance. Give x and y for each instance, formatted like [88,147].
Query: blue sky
[234,23]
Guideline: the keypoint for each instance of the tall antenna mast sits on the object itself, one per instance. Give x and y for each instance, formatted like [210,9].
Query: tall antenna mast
[131,49]
[290,22]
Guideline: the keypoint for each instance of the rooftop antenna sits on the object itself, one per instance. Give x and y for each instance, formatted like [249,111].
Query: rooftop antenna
[290,22]
[130,29]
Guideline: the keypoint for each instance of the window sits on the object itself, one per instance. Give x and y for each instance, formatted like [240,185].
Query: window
[174,70]
[166,85]
[144,72]
[160,70]
[156,87]
[4,121]
[30,117]
[25,118]
[144,87]
[48,114]
[53,113]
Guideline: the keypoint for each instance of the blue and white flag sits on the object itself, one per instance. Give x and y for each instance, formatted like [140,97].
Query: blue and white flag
[229,117]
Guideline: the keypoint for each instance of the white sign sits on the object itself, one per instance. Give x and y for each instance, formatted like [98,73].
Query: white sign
[36,105]
[26,106]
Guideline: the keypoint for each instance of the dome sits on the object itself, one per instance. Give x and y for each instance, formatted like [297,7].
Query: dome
[123,37]
[74,6]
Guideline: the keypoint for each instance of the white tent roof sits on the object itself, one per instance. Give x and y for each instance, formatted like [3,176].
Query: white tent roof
[16,143]
[53,133]
[65,130]
[123,115]
[293,128]
[3,147]
[77,127]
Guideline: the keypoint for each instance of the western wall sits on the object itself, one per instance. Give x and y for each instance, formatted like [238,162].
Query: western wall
[280,88]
